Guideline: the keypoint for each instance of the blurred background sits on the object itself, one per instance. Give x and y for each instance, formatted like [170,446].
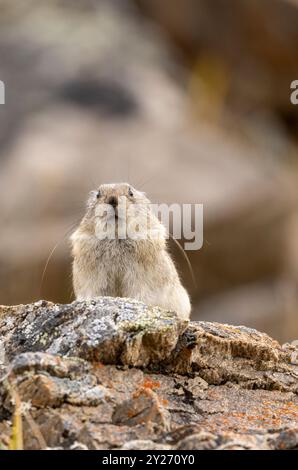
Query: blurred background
[189,100]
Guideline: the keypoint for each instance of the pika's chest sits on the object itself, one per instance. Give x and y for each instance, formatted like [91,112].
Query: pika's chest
[115,261]
[116,251]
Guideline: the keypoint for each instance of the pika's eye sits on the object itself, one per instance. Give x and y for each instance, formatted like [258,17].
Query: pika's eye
[98,194]
[130,192]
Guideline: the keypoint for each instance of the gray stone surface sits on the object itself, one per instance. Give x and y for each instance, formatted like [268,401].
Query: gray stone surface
[114,373]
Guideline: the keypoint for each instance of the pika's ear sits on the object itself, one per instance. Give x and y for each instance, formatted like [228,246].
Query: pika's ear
[95,194]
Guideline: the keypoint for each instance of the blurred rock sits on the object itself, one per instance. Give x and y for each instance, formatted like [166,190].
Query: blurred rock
[270,305]
[247,45]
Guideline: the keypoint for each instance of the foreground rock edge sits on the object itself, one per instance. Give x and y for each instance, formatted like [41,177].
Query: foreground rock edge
[127,332]
[190,362]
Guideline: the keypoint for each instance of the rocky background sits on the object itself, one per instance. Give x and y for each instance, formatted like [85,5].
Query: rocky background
[116,374]
[187,99]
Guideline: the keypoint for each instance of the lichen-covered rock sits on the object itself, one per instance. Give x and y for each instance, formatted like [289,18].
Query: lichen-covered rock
[225,353]
[143,407]
[116,374]
[109,330]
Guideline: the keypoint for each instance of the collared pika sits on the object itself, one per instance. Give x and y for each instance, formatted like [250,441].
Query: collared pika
[123,252]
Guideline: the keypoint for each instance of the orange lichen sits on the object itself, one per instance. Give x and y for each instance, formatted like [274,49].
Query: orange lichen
[150,384]
[99,365]
[131,413]
[143,391]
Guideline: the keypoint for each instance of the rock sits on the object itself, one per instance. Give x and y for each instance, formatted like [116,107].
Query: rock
[88,377]
[44,391]
[260,303]
[261,76]
[107,330]
[143,407]
[225,353]
[144,445]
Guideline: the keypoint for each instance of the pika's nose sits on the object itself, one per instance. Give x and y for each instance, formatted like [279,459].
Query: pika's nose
[113,201]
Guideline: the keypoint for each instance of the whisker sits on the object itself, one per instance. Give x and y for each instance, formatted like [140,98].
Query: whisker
[67,233]
[186,259]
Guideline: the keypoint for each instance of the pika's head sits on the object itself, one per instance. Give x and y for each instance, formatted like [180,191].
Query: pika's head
[122,210]
[112,194]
